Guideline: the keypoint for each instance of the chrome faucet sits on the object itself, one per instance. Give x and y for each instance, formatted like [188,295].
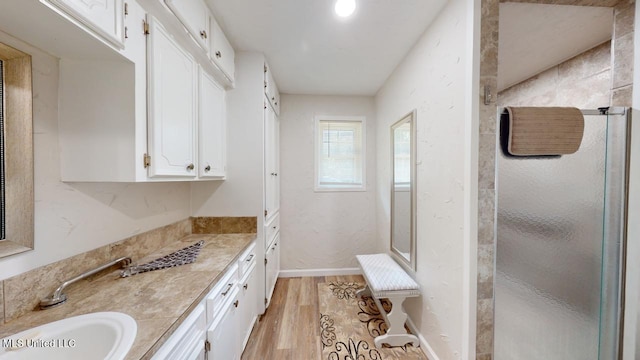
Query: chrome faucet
[58,298]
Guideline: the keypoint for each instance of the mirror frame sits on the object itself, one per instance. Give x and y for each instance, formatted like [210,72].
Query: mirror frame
[410,263]
[18,157]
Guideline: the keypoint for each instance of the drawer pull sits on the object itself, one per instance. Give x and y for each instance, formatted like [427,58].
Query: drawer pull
[274,227]
[250,258]
[229,286]
[236,303]
[203,34]
[246,286]
[218,54]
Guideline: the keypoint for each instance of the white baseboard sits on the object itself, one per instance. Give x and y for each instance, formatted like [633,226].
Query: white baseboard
[424,345]
[318,272]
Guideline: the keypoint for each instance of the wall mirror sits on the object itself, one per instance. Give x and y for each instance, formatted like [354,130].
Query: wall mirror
[403,213]
[16,152]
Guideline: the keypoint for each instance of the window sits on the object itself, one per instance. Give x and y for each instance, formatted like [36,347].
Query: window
[340,153]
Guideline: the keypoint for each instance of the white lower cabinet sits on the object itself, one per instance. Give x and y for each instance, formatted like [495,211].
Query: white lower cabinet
[272,267]
[188,341]
[223,333]
[248,310]
[219,327]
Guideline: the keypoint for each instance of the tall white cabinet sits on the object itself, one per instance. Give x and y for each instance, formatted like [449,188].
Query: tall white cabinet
[271,183]
[252,156]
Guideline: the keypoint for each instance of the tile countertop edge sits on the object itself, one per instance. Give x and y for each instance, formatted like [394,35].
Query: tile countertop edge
[228,246]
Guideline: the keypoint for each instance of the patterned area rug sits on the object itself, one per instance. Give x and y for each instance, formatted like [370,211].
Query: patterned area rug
[348,326]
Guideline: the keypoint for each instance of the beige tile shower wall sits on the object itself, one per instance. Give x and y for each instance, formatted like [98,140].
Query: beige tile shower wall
[622,44]
[1,302]
[23,292]
[486,179]
[583,82]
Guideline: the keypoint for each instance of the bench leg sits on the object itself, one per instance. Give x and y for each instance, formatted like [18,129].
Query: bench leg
[396,334]
[365,291]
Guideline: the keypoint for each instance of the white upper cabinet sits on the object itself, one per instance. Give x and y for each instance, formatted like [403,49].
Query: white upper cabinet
[271,89]
[194,15]
[104,17]
[211,129]
[221,51]
[172,91]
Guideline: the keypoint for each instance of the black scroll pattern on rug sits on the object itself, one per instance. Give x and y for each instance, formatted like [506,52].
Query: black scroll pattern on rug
[352,350]
[344,290]
[327,331]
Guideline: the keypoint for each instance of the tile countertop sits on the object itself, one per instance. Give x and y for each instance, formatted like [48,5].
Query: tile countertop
[158,300]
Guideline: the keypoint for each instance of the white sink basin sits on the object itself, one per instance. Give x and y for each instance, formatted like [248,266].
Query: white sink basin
[102,335]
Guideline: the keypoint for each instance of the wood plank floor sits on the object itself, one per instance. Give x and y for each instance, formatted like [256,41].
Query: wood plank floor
[289,328]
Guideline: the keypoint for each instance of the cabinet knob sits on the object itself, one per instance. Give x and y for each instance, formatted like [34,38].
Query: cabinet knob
[273,174]
[208,168]
[218,54]
[236,303]
[276,174]
[276,103]
[246,286]
[203,34]
[273,98]
[274,227]
[190,167]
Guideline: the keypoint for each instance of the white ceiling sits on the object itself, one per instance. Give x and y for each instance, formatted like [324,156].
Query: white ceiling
[312,51]
[536,37]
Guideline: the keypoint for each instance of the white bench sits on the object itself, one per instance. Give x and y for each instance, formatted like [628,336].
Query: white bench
[386,279]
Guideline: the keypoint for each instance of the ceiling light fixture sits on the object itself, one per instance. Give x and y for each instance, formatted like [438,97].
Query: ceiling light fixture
[345,8]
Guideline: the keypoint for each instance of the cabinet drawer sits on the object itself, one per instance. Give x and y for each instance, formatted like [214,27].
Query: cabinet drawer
[190,335]
[222,292]
[247,259]
[271,229]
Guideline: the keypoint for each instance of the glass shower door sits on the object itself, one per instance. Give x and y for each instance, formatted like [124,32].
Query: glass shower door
[553,216]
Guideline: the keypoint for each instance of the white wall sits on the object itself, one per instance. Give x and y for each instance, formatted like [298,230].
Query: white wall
[72,218]
[433,79]
[321,230]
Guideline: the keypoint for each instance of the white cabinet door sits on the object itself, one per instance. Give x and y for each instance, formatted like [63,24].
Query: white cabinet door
[271,89]
[194,15]
[105,17]
[272,267]
[221,51]
[223,335]
[272,159]
[211,129]
[248,308]
[173,81]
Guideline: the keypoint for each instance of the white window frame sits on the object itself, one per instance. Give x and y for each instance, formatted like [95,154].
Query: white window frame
[337,188]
